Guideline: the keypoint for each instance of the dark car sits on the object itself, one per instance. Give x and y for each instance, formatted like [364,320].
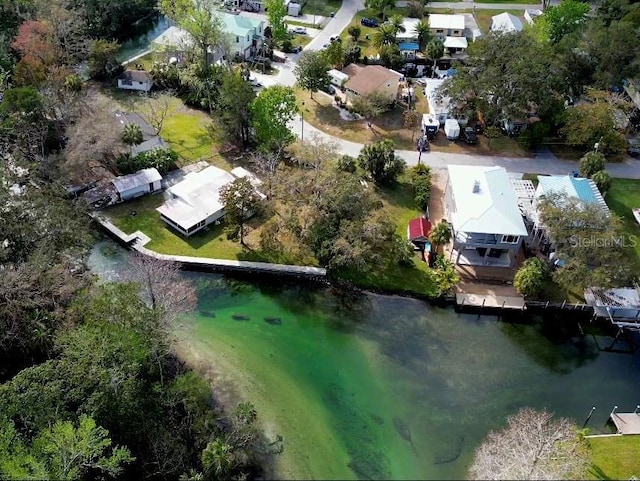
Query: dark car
[469,135]
[369,22]
[633,152]
[329,89]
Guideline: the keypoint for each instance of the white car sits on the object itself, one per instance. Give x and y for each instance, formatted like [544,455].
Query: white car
[299,30]
[255,82]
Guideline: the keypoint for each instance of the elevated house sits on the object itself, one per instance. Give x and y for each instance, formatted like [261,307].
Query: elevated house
[194,203]
[139,80]
[145,181]
[245,35]
[579,188]
[487,224]
[506,23]
[366,79]
[451,30]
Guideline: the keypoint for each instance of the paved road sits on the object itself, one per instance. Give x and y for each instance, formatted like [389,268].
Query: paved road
[484,6]
[543,163]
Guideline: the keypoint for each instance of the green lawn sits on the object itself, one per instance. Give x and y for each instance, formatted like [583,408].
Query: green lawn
[616,457]
[520,2]
[623,196]
[212,243]
[321,7]
[368,49]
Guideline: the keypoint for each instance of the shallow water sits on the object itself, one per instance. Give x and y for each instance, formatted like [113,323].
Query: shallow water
[385,387]
[142,35]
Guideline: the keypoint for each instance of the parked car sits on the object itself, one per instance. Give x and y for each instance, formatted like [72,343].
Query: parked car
[325,46]
[254,82]
[299,30]
[469,135]
[368,22]
[633,151]
[335,38]
[296,49]
[329,89]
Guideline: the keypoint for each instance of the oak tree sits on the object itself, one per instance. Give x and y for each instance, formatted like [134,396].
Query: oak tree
[311,71]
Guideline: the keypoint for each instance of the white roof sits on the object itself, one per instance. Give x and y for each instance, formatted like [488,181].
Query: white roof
[196,197]
[437,103]
[444,22]
[455,42]
[408,30]
[173,37]
[338,74]
[576,187]
[133,181]
[242,173]
[505,22]
[430,119]
[493,209]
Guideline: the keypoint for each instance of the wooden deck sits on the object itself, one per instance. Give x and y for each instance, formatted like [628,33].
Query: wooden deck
[626,423]
[490,301]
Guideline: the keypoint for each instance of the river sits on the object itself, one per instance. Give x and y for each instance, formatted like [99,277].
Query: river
[385,387]
[141,36]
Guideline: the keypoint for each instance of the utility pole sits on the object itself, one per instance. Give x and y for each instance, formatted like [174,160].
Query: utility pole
[302,123]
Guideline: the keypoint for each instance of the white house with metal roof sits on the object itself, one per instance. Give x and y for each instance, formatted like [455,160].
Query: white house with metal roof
[143,182]
[482,207]
[505,23]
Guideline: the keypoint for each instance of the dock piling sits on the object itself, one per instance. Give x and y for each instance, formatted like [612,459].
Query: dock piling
[635,411]
[613,411]
[588,417]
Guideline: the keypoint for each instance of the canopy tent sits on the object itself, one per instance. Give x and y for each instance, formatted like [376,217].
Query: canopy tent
[455,42]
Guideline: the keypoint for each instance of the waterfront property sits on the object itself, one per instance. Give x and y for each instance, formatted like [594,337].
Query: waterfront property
[143,182]
[418,232]
[194,203]
[621,305]
[245,35]
[487,224]
[579,188]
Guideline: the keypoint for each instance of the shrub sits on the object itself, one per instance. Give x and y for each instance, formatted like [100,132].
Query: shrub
[346,163]
[590,163]
[162,159]
[535,134]
[420,178]
[416,10]
[354,31]
[287,46]
[602,180]
[531,277]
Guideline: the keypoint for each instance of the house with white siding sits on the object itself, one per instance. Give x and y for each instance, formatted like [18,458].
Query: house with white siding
[145,181]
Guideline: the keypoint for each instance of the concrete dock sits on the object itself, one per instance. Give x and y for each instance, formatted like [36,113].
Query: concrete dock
[490,301]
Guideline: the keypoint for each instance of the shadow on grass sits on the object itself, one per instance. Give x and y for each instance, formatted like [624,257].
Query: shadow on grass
[597,473]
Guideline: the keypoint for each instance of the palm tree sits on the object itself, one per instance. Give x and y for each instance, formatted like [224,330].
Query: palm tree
[423,32]
[440,235]
[132,135]
[434,51]
[385,35]
[396,21]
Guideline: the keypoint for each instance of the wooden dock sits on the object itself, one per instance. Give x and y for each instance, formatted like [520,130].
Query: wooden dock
[490,301]
[626,423]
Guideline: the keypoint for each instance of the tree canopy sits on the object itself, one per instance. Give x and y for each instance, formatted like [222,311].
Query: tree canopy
[311,71]
[272,111]
[380,161]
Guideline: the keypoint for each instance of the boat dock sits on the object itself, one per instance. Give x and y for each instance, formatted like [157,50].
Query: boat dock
[490,301]
[626,423]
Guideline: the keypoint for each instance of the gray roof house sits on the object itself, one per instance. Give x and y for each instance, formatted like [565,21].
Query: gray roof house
[482,207]
[138,184]
[150,139]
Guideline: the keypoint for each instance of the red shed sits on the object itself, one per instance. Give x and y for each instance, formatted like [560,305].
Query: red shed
[418,230]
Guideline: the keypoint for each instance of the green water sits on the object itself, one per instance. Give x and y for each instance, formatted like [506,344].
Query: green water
[385,387]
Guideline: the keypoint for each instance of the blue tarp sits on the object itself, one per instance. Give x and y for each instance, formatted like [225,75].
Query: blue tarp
[409,46]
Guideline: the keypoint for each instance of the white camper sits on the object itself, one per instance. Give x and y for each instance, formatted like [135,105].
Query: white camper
[451,129]
[337,78]
[430,124]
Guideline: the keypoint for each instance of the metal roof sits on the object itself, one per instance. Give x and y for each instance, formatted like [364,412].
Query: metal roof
[576,187]
[444,22]
[133,181]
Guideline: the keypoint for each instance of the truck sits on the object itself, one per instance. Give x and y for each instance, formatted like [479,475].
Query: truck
[451,129]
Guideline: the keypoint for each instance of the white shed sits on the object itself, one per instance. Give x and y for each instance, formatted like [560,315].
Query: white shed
[135,80]
[135,185]
[452,129]
[337,78]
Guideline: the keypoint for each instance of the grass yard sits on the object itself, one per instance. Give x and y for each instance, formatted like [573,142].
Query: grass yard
[212,243]
[623,196]
[446,11]
[321,114]
[184,128]
[300,40]
[519,2]
[483,17]
[368,49]
[616,457]
[323,8]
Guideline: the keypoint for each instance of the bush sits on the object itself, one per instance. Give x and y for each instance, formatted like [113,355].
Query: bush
[531,277]
[287,46]
[416,10]
[166,76]
[346,163]
[162,159]
[354,31]
[492,132]
[590,163]
[420,178]
[602,180]
[535,134]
